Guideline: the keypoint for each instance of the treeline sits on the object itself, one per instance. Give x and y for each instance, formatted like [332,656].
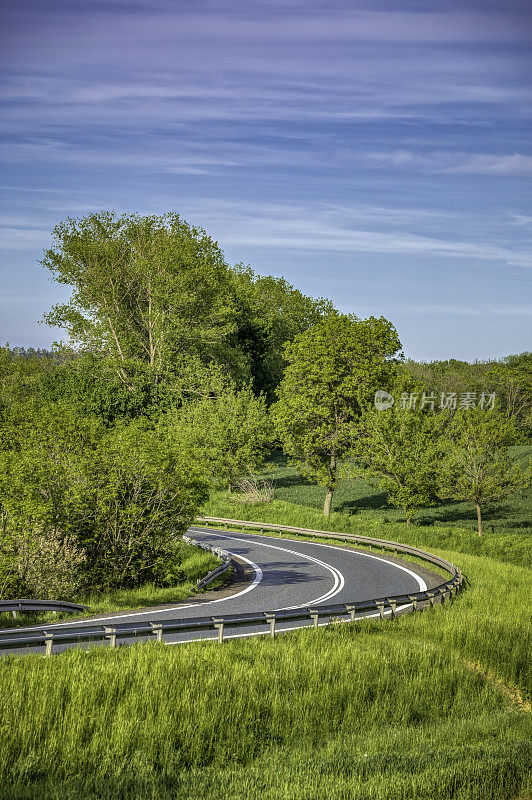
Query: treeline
[510,379]
[180,374]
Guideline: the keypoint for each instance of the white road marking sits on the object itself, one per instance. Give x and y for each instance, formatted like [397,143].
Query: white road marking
[421,583]
[339,582]
[339,579]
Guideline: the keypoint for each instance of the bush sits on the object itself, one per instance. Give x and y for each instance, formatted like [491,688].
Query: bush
[119,496]
[49,565]
[254,490]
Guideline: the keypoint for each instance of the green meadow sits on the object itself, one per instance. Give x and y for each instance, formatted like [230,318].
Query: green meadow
[359,507]
[430,705]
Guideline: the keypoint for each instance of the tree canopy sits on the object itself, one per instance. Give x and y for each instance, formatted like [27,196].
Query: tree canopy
[155,296]
[402,449]
[333,371]
[145,291]
[477,466]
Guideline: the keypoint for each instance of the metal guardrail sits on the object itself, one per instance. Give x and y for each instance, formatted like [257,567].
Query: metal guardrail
[15,606]
[224,567]
[348,611]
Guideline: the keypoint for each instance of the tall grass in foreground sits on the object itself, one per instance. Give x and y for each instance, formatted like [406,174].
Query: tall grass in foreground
[431,705]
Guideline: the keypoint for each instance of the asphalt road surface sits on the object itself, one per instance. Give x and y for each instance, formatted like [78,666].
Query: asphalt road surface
[273,574]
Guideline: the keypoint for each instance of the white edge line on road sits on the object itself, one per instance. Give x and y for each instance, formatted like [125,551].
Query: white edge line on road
[339,579]
[256,580]
[258,577]
[421,583]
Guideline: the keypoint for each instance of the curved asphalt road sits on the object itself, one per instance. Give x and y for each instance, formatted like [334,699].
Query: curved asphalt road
[285,573]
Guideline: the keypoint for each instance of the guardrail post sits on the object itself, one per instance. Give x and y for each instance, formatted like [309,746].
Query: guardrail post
[158,631]
[48,642]
[380,606]
[432,598]
[315,616]
[111,635]
[14,614]
[351,610]
[271,620]
[413,600]
[393,606]
[219,625]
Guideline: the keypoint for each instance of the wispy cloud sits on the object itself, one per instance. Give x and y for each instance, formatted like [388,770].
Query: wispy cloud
[460,310]
[339,229]
[516,164]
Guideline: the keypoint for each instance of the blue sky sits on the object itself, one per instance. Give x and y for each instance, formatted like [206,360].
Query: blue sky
[376,152]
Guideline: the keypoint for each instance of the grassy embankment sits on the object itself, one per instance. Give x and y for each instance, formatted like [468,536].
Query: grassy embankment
[194,564]
[434,705]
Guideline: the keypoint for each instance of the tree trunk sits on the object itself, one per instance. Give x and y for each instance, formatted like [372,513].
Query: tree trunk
[330,488]
[479,519]
[328,502]
[408,520]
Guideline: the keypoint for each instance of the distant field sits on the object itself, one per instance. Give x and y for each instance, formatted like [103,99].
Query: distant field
[356,496]
[359,508]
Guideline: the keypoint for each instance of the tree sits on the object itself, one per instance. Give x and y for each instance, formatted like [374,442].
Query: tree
[511,379]
[402,450]
[155,301]
[229,434]
[271,313]
[333,372]
[477,466]
[146,290]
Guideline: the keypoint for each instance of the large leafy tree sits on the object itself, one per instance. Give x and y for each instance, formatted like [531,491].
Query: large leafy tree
[147,292]
[154,296]
[271,313]
[477,467]
[333,372]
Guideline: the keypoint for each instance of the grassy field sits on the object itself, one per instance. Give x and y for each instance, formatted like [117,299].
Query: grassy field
[195,564]
[433,705]
[360,508]
[353,498]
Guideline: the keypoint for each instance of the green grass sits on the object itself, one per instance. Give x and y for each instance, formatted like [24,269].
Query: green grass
[353,497]
[195,564]
[359,508]
[431,705]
